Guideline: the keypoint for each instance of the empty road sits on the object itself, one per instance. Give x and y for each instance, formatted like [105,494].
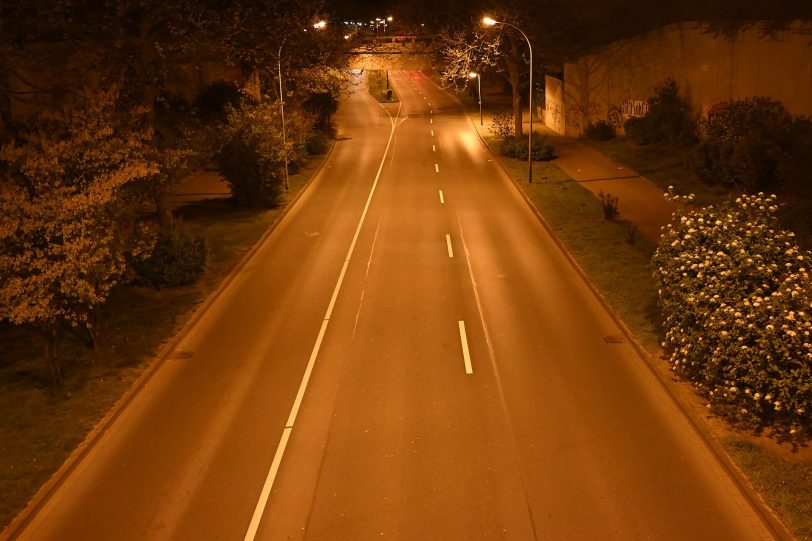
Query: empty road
[408,355]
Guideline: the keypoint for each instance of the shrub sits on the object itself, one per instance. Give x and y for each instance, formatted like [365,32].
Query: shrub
[502,126]
[608,204]
[516,147]
[317,143]
[600,131]
[735,294]
[178,258]
[669,118]
[252,157]
[744,144]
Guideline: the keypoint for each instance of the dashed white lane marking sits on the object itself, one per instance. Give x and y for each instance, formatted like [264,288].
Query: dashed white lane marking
[466,355]
[431,121]
[432,133]
[442,198]
[265,493]
[436,168]
[433,148]
[448,245]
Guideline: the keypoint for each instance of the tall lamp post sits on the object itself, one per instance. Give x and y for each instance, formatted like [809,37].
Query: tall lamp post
[487,21]
[318,26]
[478,92]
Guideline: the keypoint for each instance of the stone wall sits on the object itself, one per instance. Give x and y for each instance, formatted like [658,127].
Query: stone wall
[614,84]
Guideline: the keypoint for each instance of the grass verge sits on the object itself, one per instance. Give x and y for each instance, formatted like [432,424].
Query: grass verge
[622,273]
[785,485]
[38,430]
[380,88]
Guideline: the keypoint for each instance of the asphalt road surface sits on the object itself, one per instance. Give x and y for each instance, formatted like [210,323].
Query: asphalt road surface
[407,356]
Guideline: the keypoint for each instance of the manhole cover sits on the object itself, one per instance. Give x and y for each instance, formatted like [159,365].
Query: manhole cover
[182,354]
[613,339]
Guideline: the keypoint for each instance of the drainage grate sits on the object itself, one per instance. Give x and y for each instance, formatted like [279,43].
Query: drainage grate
[613,339]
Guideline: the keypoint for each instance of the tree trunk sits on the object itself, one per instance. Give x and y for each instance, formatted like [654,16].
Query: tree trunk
[50,333]
[163,206]
[514,78]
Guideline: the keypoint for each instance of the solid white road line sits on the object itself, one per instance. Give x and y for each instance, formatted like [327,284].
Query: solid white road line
[448,244]
[251,533]
[466,355]
[436,168]
[442,198]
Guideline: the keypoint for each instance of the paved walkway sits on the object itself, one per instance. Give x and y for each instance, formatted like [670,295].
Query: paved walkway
[640,200]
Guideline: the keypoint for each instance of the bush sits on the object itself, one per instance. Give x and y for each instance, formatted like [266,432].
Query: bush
[178,258]
[502,126]
[516,147]
[600,131]
[608,205]
[745,142]
[669,119]
[317,143]
[252,157]
[735,294]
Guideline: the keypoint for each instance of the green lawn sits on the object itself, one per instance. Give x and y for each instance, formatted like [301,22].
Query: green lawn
[38,430]
[378,87]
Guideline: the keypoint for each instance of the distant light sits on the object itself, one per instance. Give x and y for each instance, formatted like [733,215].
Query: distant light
[473,74]
[346,36]
[389,18]
[487,21]
[319,25]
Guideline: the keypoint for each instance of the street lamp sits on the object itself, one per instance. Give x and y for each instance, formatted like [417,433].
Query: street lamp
[479,92]
[318,26]
[487,21]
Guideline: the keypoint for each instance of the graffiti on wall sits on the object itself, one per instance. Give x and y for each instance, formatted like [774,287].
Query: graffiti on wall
[574,113]
[554,112]
[635,108]
[614,117]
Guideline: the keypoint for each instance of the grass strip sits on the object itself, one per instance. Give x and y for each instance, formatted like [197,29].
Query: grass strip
[785,485]
[379,86]
[39,430]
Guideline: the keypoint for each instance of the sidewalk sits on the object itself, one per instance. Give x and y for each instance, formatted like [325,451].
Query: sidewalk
[640,201]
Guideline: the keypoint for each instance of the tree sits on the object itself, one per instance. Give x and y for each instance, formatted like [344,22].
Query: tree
[67,226]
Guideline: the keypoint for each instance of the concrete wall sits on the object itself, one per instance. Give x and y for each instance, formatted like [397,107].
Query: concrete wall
[614,84]
[554,104]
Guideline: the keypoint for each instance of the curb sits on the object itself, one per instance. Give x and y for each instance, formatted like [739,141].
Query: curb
[768,517]
[17,525]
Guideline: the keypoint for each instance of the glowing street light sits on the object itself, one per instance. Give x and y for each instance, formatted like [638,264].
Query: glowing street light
[487,21]
[479,92]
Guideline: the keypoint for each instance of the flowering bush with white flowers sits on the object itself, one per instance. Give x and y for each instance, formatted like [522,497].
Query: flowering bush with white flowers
[737,302]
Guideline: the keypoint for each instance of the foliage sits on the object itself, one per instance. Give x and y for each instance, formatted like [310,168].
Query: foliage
[466,51]
[317,143]
[516,147]
[669,118]
[502,126]
[600,131]
[252,157]
[736,296]
[68,214]
[178,258]
[211,104]
[608,205]
[743,143]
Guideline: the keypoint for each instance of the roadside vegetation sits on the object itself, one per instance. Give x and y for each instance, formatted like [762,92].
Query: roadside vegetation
[380,88]
[619,264]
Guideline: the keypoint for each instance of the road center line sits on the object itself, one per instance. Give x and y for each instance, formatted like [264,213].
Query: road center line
[432,133]
[466,355]
[448,244]
[436,168]
[259,510]
[442,199]
[433,148]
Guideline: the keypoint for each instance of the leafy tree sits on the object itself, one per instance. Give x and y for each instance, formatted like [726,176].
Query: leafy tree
[67,227]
